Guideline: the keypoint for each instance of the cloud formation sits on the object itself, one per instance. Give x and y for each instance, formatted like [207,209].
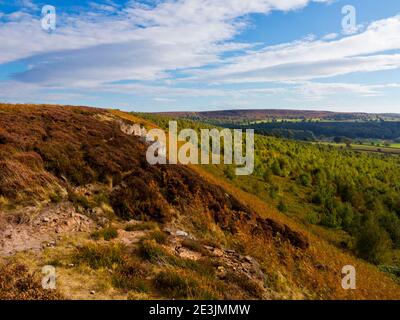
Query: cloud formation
[186,41]
[310,59]
[138,42]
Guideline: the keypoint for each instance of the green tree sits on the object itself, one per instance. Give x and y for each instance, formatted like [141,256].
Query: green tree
[373,242]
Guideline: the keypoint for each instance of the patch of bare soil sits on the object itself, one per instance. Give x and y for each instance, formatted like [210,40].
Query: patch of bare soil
[34,228]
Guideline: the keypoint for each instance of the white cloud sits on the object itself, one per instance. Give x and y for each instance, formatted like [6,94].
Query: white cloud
[89,51]
[308,59]
[27,4]
[317,91]
[330,36]
[137,42]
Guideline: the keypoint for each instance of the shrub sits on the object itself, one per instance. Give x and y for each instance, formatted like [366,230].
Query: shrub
[373,243]
[273,191]
[55,198]
[204,267]
[305,180]
[107,234]
[159,236]
[245,283]
[175,284]
[131,276]
[100,198]
[229,173]
[276,168]
[392,270]
[100,256]
[17,283]
[282,206]
[79,200]
[151,251]
[4,202]
[194,246]
[183,286]
[267,175]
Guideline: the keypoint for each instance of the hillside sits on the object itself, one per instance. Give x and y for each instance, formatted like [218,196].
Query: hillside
[237,116]
[77,193]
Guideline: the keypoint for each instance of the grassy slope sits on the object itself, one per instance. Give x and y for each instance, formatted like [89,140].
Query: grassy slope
[372,284]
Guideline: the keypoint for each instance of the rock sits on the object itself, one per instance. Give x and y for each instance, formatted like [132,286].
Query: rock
[97,211]
[168,231]
[221,272]
[46,219]
[51,244]
[92,292]
[181,233]
[248,259]
[218,252]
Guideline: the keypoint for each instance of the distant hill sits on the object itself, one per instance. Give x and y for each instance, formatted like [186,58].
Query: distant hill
[264,114]
[305,125]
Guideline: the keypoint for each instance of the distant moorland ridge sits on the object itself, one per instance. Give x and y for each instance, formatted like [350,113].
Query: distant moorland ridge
[254,114]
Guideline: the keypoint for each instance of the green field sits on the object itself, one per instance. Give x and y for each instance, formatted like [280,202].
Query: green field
[392,149]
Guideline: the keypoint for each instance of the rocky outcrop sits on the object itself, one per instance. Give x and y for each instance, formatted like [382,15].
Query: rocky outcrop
[132,129]
[135,130]
[33,228]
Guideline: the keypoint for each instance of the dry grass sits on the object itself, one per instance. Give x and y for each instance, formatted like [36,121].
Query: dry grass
[72,146]
[315,273]
[18,283]
[148,225]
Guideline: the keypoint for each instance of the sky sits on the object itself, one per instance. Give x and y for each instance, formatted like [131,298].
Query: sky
[197,55]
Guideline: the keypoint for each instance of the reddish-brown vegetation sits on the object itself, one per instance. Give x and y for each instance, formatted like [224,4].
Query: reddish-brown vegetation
[18,283]
[77,147]
[44,149]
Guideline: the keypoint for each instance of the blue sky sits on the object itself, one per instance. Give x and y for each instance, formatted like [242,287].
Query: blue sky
[159,55]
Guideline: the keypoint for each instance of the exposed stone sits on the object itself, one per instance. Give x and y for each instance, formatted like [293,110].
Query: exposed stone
[181,233]
[221,272]
[42,229]
[218,252]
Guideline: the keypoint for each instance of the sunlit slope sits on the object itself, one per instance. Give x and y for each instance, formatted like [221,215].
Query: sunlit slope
[77,193]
